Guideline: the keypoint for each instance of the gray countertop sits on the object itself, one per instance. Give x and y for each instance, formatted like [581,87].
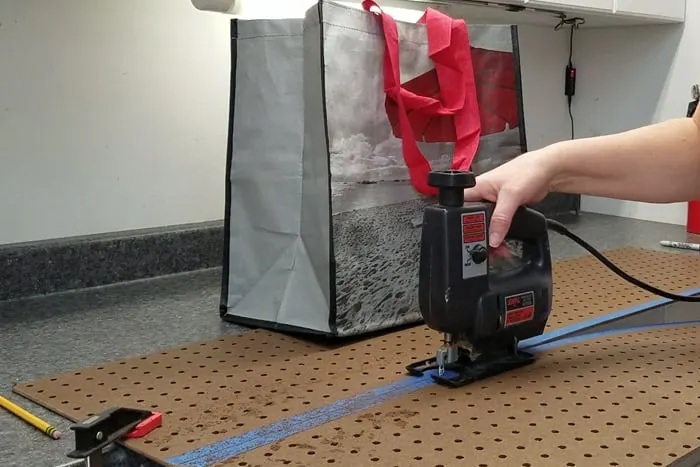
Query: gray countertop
[48,335]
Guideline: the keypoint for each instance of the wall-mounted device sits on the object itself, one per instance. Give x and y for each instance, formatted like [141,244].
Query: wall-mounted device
[570,81]
[692,105]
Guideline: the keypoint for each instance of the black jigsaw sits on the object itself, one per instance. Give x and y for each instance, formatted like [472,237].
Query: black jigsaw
[484,301]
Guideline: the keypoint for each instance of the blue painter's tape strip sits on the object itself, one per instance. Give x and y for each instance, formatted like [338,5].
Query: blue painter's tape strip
[231,447]
[610,332]
[561,332]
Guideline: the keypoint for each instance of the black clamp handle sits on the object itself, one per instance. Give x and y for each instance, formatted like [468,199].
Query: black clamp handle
[95,433]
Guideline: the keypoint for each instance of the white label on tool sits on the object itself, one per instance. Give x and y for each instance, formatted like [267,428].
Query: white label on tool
[474,247]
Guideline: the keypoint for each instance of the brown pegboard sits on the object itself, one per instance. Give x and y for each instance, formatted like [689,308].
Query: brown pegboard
[629,401]
[215,390]
[584,288]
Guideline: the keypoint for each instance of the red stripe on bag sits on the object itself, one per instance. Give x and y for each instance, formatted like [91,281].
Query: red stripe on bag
[456,99]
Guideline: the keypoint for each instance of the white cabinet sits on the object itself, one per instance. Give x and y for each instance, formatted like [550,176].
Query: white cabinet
[638,11]
[513,2]
[602,6]
[673,10]
[597,13]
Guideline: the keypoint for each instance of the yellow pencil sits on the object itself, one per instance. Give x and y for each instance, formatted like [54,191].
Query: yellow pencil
[29,418]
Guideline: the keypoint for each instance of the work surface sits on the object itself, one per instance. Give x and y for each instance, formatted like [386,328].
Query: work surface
[262,397]
[72,331]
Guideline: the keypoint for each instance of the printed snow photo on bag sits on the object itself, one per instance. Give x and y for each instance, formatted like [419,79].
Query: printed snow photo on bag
[327,180]
[377,212]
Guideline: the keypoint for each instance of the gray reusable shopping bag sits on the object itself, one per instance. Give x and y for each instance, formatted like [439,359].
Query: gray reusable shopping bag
[322,222]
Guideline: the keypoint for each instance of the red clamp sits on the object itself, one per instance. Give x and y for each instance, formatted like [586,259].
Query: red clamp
[146,426]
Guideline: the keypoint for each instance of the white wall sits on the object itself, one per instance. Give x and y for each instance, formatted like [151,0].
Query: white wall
[113,115]
[630,77]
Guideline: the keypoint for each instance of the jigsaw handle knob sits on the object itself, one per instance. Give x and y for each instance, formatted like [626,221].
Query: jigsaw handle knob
[451,185]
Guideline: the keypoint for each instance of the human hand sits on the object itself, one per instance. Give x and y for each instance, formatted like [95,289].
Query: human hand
[523,180]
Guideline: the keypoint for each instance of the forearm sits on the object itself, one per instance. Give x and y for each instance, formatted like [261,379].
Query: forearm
[659,163]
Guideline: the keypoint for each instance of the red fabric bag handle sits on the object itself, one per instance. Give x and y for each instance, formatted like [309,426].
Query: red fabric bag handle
[449,49]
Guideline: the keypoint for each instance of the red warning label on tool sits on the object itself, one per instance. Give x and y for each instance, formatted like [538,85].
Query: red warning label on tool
[474,227]
[474,237]
[473,218]
[471,228]
[519,308]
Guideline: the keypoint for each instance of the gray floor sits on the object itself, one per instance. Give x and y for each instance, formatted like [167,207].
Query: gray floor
[49,335]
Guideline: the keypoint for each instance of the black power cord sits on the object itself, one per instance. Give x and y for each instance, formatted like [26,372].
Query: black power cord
[560,228]
[570,73]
